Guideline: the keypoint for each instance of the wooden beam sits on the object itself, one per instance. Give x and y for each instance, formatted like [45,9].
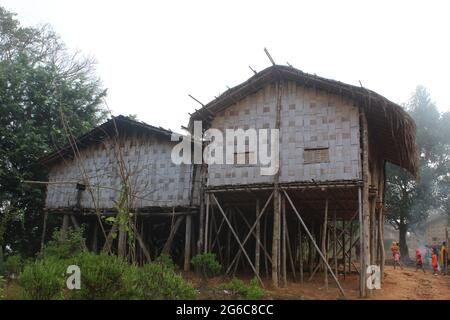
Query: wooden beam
[258,236]
[187,244]
[173,231]
[341,290]
[237,239]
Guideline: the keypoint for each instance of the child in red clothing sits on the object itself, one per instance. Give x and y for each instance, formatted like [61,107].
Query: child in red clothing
[419,261]
[434,262]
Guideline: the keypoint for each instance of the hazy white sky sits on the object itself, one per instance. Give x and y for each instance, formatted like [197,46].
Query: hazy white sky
[152,54]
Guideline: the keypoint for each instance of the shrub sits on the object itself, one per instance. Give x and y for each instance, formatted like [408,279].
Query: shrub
[238,287]
[43,279]
[65,247]
[166,262]
[13,266]
[154,281]
[103,277]
[207,264]
[2,284]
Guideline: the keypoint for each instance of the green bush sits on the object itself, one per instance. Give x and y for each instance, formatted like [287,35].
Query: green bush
[43,279]
[61,247]
[13,265]
[238,287]
[154,281]
[207,264]
[166,262]
[103,277]
[2,284]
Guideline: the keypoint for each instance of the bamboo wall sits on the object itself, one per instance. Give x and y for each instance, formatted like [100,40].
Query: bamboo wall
[309,119]
[154,179]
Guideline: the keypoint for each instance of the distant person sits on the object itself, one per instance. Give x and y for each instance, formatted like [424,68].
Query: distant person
[444,258]
[434,262]
[419,260]
[396,254]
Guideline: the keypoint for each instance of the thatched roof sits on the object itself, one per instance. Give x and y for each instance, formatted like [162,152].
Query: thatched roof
[113,127]
[390,127]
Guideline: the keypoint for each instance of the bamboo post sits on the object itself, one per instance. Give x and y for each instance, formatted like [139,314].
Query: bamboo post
[300,236]
[94,245]
[44,230]
[283,259]
[341,290]
[65,226]
[206,222]
[324,246]
[187,243]
[258,235]
[350,249]
[335,244]
[237,239]
[266,264]
[275,237]
[362,278]
[343,246]
[381,240]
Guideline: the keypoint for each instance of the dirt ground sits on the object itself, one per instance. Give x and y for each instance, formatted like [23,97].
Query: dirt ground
[399,284]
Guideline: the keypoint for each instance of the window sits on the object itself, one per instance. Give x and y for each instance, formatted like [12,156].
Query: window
[316,155]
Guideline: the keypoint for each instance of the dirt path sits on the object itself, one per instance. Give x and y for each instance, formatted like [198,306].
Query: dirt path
[399,284]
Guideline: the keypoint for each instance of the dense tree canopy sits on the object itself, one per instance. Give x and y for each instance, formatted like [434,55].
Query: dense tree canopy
[409,202]
[39,80]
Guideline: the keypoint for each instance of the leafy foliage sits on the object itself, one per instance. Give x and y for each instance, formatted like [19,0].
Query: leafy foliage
[65,246]
[43,279]
[39,80]
[103,277]
[13,265]
[156,281]
[2,284]
[207,264]
[238,287]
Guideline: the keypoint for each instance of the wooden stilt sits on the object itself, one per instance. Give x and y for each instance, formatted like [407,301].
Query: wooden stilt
[324,243]
[237,239]
[44,230]
[289,250]
[335,244]
[258,235]
[187,244]
[350,249]
[266,264]
[122,241]
[276,237]
[362,278]
[206,222]
[65,226]
[381,241]
[343,247]
[173,231]
[341,290]
[94,244]
[141,242]
[300,237]
[283,250]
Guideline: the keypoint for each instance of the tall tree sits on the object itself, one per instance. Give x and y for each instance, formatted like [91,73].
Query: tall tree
[39,79]
[409,202]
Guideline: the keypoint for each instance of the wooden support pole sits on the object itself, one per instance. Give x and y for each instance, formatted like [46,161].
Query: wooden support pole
[381,241]
[173,231]
[141,242]
[289,250]
[122,241]
[335,244]
[350,249]
[341,290]
[258,235]
[362,277]
[206,222]
[283,251]
[266,264]
[343,247]
[44,230]
[187,244]
[237,239]
[250,232]
[324,243]
[65,226]
[300,237]
[276,237]
[94,244]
